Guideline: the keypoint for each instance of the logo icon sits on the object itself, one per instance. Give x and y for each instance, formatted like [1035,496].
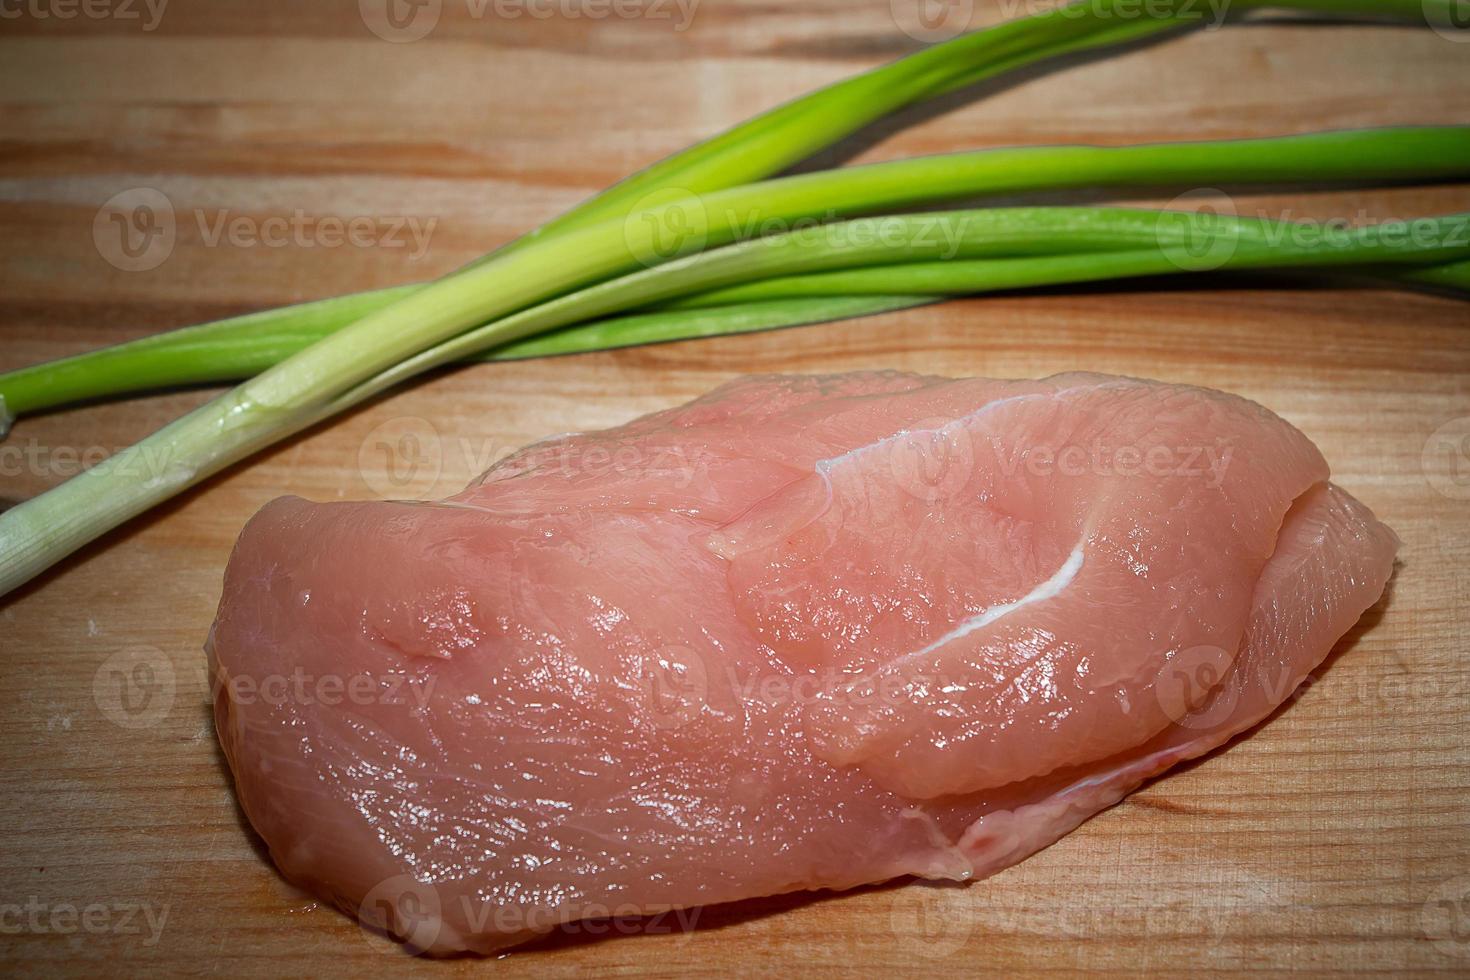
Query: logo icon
[405,908]
[1197,231]
[1445,917]
[933,460]
[931,920]
[1446,459]
[931,21]
[400,21]
[677,683]
[1195,690]
[135,229]
[134,688]
[402,458]
[666,224]
[1450,19]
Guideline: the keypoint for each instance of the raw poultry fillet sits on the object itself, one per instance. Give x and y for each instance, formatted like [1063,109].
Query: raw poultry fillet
[801,633]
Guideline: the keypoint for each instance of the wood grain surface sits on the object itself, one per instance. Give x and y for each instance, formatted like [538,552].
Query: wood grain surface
[1333,840]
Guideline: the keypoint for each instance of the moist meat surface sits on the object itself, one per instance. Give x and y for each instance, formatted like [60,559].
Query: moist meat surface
[803,632]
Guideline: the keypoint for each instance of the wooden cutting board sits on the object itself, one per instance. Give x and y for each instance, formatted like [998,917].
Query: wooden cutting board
[1334,839]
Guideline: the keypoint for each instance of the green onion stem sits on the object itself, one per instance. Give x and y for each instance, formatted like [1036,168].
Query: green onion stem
[306,386]
[958,252]
[659,326]
[241,346]
[1452,275]
[211,437]
[752,150]
[788,134]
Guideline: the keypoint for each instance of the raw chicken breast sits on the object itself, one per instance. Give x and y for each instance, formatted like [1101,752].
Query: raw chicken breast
[804,632]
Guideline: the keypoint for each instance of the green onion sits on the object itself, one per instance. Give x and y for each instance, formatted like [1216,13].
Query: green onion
[1452,276]
[666,325]
[223,350]
[753,150]
[998,248]
[158,466]
[410,332]
[750,151]
[240,347]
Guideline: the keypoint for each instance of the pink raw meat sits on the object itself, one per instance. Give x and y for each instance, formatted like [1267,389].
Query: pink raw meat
[804,632]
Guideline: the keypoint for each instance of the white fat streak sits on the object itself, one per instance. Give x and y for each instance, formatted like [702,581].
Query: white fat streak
[824,466]
[1049,589]
[1046,590]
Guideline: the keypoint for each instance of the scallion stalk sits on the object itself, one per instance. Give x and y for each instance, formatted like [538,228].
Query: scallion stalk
[240,347]
[750,151]
[993,249]
[574,253]
[242,421]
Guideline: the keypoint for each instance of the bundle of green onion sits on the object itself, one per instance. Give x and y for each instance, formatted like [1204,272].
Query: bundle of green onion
[669,254]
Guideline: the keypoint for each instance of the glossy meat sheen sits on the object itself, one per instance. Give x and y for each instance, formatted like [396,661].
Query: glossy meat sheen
[804,632]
